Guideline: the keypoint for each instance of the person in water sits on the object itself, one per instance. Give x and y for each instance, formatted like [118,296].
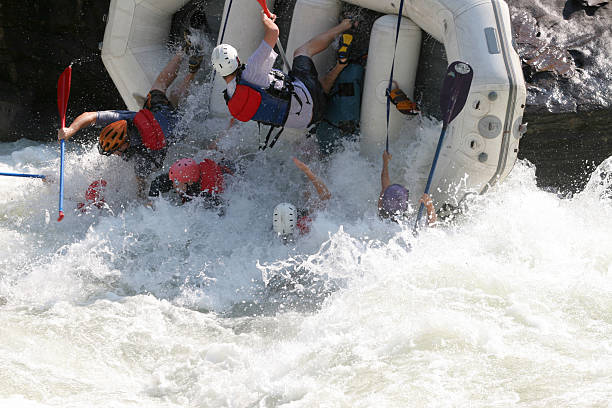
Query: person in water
[141,137]
[190,179]
[94,196]
[289,221]
[257,92]
[393,198]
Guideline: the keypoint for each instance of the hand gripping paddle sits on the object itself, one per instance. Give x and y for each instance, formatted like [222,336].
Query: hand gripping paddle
[281,51]
[455,90]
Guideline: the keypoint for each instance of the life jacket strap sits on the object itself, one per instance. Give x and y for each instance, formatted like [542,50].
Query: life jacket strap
[268,143]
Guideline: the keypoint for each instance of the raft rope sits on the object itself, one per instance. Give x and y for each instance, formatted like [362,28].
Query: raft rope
[214,71]
[229,8]
[397,30]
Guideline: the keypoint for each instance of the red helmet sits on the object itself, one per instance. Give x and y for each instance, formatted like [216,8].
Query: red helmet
[95,191]
[185,171]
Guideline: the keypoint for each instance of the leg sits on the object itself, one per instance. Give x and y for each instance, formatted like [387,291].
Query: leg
[168,74]
[322,41]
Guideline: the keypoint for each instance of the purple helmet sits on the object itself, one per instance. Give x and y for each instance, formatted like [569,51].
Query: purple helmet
[394,200]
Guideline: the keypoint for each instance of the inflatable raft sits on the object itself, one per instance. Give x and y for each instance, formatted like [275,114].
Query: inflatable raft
[481,144]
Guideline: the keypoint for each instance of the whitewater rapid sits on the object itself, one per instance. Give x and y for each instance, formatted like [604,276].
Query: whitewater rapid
[174,306]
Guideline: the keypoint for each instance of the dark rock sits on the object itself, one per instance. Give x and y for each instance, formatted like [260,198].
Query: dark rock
[589,7]
[38,39]
[537,53]
[575,46]
[566,147]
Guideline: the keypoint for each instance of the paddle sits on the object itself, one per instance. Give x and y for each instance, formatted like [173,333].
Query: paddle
[63,91]
[23,175]
[264,6]
[455,90]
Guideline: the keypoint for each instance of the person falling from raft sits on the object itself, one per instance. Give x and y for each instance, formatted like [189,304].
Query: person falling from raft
[393,198]
[257,92]
[289,221]
[141,137]
[190,180]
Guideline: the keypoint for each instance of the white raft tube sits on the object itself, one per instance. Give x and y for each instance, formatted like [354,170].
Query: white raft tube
[134,49]
[481,144]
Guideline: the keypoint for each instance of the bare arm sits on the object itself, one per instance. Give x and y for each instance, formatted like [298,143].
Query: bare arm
[384,175]
[431,211]
[83,120]
[321,188]
[271,29]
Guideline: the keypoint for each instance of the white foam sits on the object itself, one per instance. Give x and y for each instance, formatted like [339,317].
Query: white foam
[167,307]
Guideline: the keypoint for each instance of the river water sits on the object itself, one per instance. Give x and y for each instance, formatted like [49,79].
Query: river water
[509,305]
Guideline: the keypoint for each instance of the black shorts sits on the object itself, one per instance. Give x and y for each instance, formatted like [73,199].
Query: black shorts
[157,100]
[305,70]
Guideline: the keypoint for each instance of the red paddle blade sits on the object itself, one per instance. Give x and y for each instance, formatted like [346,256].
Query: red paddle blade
[63,92]
[264,6]
[61,216]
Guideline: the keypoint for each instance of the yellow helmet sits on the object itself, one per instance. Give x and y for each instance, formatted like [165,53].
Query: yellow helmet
[112,137]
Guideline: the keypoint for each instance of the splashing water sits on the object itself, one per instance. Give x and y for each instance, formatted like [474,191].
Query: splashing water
[510,305]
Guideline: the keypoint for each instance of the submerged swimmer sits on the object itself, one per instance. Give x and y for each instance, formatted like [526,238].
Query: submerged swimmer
[287,220]
[190,179]
[142,137]
[94,196]
[393,199]
[257,92]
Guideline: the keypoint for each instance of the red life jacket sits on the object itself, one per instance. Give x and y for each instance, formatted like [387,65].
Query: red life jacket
[150,131]
[244,103]
[211,177]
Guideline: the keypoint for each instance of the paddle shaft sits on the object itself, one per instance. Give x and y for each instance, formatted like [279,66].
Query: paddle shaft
[431,171]
[61,177]
[40,176]
[455,90]
[63,92]
[61,184]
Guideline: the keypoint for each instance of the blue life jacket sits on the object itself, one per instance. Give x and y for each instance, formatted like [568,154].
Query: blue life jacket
[341,118]
[268,106]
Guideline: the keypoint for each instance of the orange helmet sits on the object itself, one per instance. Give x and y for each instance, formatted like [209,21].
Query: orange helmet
[112,137]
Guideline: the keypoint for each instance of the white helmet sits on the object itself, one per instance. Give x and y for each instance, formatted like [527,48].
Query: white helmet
[224,59]
[284,219]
